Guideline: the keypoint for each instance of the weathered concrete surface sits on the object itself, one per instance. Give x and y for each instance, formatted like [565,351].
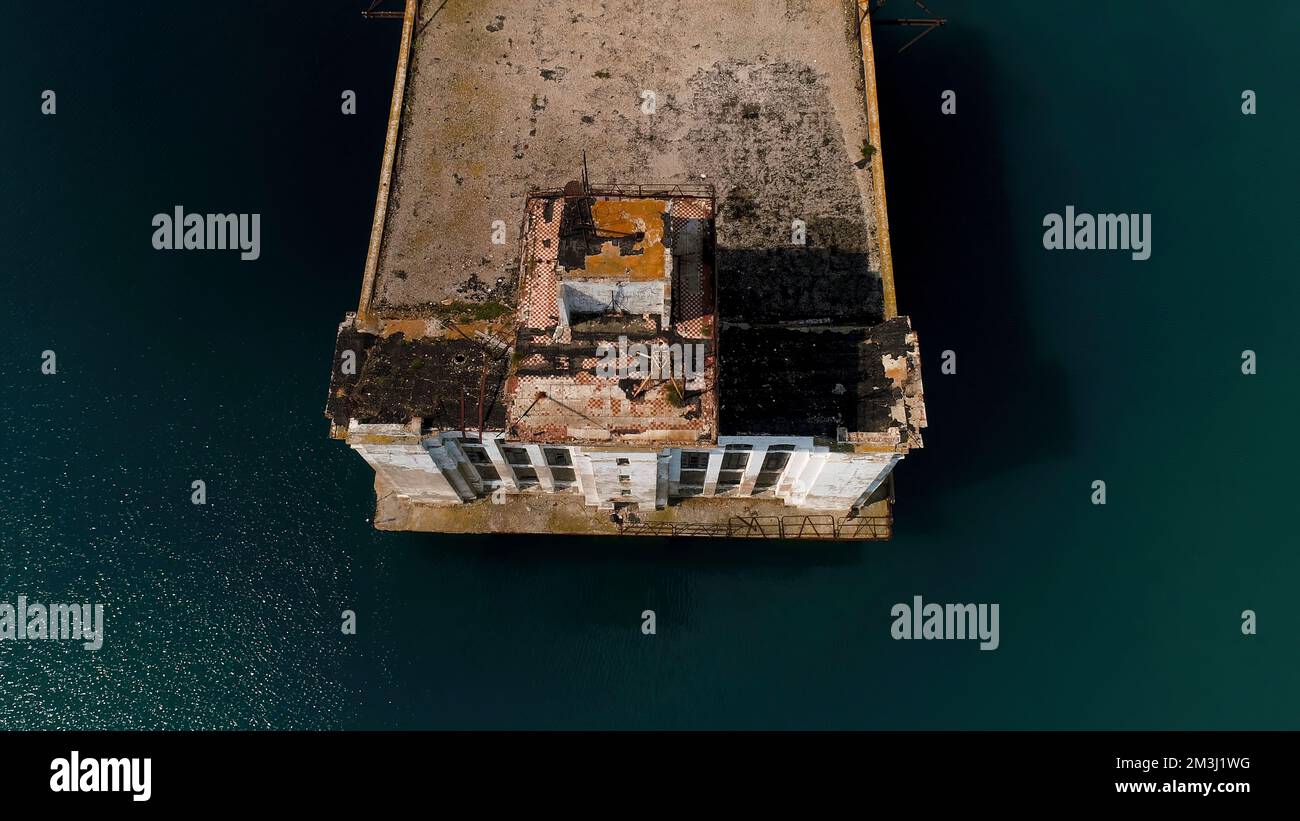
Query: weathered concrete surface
[763,98]
[389,160]
[552,513]
[878,199]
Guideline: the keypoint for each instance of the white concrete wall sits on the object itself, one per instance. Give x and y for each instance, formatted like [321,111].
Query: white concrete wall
[843,479]
[434,468]
[642,471]
[410,470]
[586,296]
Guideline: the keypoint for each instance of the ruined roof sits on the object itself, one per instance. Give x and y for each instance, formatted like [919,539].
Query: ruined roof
[813,381]
[448,381]
[891,405]
[601,275]
[626,240]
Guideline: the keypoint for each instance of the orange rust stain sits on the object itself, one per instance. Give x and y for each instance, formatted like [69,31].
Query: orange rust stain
[895,368]
[630,217]
[410,328]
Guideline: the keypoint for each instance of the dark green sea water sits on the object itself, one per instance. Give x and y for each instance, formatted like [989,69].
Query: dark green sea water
[1071,367]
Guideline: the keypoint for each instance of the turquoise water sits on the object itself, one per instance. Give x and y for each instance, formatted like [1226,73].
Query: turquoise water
[1072,367]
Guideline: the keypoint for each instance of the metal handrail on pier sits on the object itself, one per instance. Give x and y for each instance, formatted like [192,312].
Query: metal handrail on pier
[810,526]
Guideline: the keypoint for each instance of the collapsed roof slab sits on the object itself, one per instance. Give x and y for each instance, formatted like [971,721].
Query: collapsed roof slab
[861,386]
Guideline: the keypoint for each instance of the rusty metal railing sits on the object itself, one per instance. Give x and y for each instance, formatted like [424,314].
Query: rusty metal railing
[809,526]
[614,189]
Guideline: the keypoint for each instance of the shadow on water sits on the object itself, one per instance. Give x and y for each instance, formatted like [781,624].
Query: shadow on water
[957,273]
[700,555]
[589,580]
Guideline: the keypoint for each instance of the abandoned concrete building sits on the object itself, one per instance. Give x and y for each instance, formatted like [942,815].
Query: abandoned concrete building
[625,278]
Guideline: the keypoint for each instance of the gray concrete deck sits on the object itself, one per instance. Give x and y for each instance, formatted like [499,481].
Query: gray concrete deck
[763,98]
